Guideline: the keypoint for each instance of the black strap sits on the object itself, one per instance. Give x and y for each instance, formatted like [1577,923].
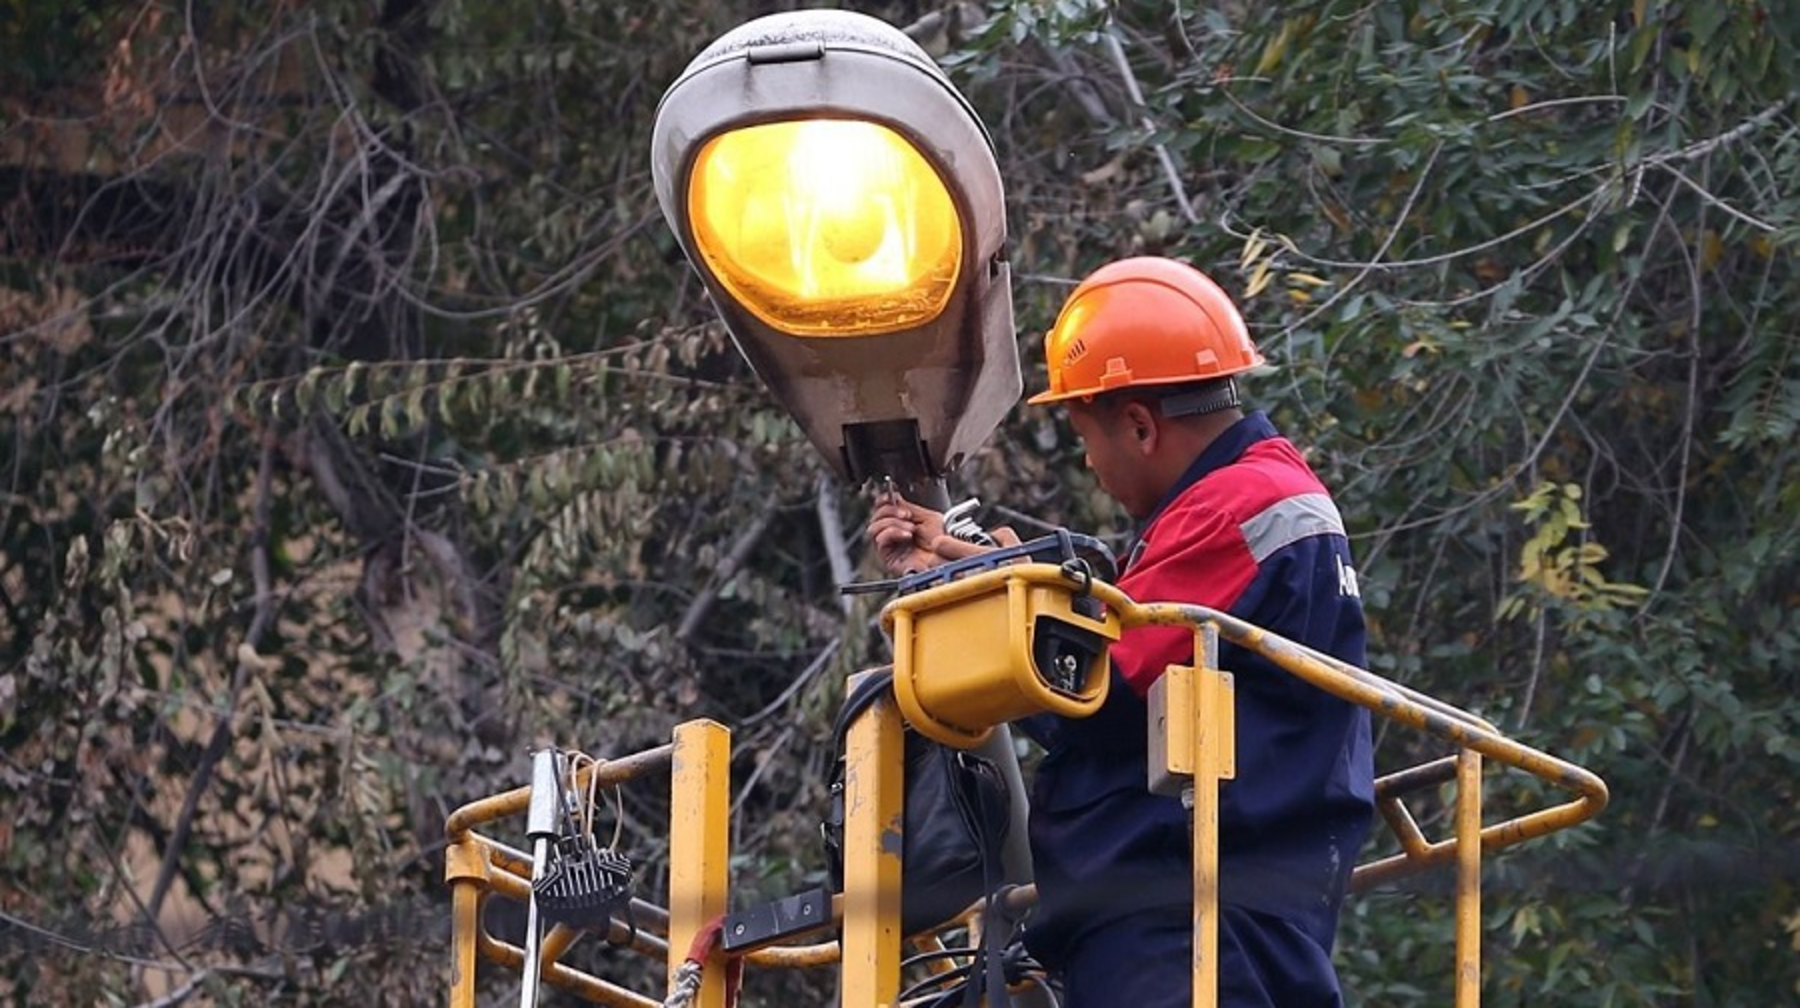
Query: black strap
[866,691]
[1202,398]
[987,974]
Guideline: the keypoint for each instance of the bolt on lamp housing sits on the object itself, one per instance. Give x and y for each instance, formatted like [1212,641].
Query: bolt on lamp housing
[841,202]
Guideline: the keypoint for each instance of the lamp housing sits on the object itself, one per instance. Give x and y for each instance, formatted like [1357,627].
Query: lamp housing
[840,200]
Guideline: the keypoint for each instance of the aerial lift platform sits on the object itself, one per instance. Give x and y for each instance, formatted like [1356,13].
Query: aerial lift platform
[970,652]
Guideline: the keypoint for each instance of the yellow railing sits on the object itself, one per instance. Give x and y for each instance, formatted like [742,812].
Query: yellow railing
[867,912]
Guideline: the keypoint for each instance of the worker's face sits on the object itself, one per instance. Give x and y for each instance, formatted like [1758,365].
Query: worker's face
[1115,454]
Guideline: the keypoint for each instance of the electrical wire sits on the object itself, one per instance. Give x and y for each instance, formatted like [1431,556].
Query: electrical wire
[585,814]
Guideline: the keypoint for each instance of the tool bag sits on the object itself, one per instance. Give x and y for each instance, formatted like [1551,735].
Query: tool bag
[956,820]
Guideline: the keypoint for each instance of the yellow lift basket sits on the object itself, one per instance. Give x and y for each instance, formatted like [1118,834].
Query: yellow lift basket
[970,654]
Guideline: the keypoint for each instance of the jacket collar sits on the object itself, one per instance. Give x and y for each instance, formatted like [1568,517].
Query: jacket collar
[1225,449]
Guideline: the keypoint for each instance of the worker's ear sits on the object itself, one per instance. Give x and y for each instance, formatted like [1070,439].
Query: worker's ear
[1139,419]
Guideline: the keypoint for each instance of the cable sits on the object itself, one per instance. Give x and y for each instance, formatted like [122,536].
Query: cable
[584,816]
[959,976]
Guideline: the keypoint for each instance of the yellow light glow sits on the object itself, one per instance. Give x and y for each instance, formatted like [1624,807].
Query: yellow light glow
[826,227]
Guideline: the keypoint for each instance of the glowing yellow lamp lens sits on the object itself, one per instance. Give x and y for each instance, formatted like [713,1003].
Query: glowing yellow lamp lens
[826,227]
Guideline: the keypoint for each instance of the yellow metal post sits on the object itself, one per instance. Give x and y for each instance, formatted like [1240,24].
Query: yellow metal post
[1214,759]
[699,846]
[873,835]
[466,869]
[1468,879]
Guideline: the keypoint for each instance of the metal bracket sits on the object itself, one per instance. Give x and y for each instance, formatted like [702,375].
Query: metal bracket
[771,922]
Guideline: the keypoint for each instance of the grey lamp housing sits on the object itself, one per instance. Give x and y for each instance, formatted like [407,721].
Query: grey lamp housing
[908,404]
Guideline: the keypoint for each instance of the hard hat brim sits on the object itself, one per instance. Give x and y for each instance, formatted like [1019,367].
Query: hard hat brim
[1048,397]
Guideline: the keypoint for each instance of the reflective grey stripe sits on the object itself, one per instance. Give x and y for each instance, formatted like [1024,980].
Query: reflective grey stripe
[1289,521]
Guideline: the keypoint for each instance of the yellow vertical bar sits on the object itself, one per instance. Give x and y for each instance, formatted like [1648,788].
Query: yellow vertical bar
[873,834]
[465,901]
[1214,760]
[466,869]
[699,846]
[1468,879]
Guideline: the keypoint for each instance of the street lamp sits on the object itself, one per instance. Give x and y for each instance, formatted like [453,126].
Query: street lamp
[841,202]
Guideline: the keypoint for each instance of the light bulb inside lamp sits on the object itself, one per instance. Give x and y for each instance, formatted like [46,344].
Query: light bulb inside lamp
[826,227]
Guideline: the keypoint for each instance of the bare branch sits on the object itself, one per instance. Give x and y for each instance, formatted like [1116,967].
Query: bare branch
[806,676]
[1080,87]
[740,552]
[1713,201]
[1406,209]
[1299,134]
[181,993]
[1163,157]
[831,529]
[221,737]
[1533,108]
[1467,250]
[1688,418]
[1702,148]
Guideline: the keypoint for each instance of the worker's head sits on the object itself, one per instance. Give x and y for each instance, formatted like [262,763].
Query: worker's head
[1144,355]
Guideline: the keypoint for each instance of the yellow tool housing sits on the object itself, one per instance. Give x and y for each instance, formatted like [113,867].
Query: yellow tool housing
[972,654]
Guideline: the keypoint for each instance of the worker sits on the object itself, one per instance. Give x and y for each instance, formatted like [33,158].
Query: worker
[1146,356]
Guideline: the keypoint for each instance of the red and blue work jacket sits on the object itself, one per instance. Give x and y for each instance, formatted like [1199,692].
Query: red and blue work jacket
[1251,531]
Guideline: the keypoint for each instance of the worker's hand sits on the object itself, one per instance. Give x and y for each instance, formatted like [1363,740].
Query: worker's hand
[904,534]
[910,537]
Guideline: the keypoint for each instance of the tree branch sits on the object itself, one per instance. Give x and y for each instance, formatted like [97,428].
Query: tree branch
[831,529]
[221,737]
[1710,200]
[1704,147]
[740,551]
[180,993]
[1163,157]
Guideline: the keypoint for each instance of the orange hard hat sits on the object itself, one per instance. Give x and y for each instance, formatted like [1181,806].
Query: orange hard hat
[1144,321]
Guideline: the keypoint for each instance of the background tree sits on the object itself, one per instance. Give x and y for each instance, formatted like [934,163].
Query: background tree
[364,430]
